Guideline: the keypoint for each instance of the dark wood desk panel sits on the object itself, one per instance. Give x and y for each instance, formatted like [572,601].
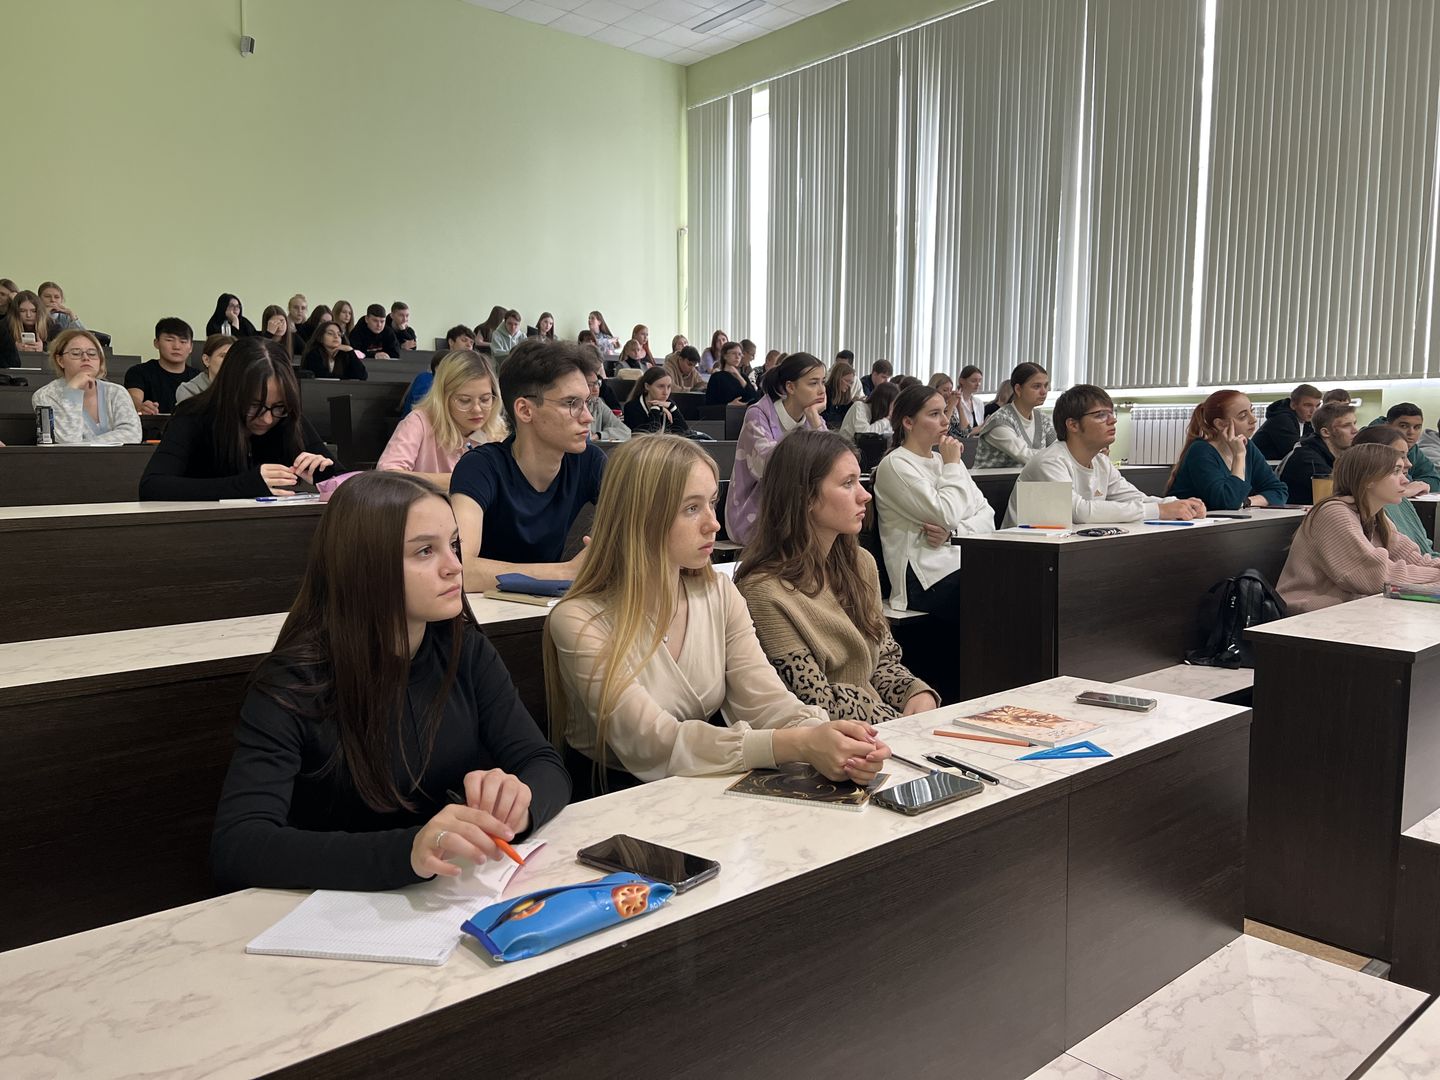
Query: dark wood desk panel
[154,569]
[1426,512]
[44,475]
[1104,610]
[1417,931]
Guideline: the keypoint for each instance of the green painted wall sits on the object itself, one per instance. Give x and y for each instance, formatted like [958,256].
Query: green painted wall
[371,150]
[832,31]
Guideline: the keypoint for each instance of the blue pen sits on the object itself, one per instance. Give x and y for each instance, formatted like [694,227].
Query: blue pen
[1167,523]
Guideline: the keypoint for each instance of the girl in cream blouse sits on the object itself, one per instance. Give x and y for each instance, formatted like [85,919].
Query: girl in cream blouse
[684,642]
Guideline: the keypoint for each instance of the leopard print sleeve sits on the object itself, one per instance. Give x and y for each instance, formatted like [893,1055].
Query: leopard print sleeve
[892,680]
[841,701]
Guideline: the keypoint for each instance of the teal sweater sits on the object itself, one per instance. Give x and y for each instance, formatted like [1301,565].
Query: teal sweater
[1421,467]
[1204,475]
[1403,516]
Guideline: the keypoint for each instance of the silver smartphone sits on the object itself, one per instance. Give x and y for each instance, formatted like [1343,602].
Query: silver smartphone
[1116,701]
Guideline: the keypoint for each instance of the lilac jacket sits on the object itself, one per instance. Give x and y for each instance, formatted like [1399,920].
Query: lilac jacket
[758,436]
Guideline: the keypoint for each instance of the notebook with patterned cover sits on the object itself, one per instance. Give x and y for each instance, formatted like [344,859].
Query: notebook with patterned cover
[1013,722]
[797,782]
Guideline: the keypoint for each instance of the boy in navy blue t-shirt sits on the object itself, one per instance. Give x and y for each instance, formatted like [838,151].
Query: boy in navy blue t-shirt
[515,501]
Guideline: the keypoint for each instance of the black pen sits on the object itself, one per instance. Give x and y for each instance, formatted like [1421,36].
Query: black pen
[968,770]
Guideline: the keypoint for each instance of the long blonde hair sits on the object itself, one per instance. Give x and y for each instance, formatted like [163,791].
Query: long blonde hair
[454,371]
[640,497]
[1355,471]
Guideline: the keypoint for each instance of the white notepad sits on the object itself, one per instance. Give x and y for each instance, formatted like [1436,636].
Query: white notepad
[415,925]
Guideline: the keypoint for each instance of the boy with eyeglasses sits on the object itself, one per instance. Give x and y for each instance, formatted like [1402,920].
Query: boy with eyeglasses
[1084,419]
[516,500]
[152,385]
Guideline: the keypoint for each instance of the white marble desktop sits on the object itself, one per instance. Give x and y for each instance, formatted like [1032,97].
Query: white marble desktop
[1253,1010]
[84,656]
[1426,829]
[175,995]
[1416,1054]
[74,510]
[1372,622]
[1196,680]
[1068,536]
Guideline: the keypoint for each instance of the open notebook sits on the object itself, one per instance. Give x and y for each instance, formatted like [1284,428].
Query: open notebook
[415,925]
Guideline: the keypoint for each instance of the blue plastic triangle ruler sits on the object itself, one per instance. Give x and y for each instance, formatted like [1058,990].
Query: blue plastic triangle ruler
[1074,752]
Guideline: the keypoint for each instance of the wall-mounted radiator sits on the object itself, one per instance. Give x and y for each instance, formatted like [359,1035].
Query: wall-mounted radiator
[1158,432]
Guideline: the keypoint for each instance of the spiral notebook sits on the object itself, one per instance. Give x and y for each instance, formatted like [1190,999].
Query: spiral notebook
[415,925]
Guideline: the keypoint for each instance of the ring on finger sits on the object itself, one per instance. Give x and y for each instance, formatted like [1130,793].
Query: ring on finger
[440,840]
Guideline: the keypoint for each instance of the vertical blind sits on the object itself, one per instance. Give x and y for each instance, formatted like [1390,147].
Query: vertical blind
[718,248]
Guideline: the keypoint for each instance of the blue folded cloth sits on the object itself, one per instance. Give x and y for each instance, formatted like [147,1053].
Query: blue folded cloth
[524,583]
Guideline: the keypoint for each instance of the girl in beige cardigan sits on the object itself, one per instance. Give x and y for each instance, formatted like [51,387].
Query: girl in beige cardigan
[814,593]
[1346,547]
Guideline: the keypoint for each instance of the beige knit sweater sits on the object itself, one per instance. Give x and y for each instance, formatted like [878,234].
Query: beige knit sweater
[823,657]
[1332,562]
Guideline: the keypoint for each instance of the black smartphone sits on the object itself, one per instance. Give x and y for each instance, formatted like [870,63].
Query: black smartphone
[1116,701]
[625,854]
[917,796]
[1103,530]
[1228,514]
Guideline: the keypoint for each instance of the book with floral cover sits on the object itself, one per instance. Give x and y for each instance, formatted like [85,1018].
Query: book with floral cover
[1013,722]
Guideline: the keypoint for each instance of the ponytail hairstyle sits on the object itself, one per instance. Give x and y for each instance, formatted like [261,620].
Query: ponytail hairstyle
[907,406]
[1204,422]
[792,369]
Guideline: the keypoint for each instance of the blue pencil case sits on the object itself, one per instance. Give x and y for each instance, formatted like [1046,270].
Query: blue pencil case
[529,925]
[524,583]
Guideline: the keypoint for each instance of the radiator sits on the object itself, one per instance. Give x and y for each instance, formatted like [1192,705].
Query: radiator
[1158,432]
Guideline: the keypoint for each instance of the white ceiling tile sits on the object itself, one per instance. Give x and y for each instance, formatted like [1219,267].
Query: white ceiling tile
[574,23]
[536,12]
[616,35]
[643,24]
[494,5]
[685,56]
[679,11]
[809,7]
[681,36]
[602,11]
[654,47]
[771,18]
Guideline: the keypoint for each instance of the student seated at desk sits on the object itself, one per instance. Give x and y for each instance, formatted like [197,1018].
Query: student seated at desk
[243,438]
[457,339]
[52,299]
[922,498]
[1314,455]
[374,336]
[1019,430]
[229,318]
[1287,421]
[26,327]
[1346,547]
[605,426]
[710,358]
[814,592]
[275,325]
[329,357]
[650,408]
[1407,418]
[730,383]
[1085,423]
[881,372]
[516,500]
[684,367]
[212,355]
[461,411]
[841,394]
[1402,514]
[307,329]
[1218,463]
[505,337]
[650,644]
[872,415]
[399,322]
[380,697]
[154,384]
[88,410]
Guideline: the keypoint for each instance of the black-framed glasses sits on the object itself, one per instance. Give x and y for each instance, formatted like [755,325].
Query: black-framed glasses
[277,412]
[577,407]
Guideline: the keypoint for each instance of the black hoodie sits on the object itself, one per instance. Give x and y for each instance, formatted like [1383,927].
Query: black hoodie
[1281,431]
[1310,458]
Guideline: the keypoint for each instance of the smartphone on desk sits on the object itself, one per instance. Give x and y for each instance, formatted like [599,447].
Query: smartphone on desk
[1116,701]
[625,854]
[917,796]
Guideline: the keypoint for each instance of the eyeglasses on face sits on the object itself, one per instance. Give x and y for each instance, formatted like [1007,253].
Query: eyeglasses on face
[277,411]
[81,354]
[1105,416]
[578,408]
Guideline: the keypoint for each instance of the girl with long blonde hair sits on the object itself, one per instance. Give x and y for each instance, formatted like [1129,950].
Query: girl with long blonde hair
[460,411]
[655,671]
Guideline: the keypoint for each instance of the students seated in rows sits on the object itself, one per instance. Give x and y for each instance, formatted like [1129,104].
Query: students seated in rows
[1085,423]
[212,355]
[229,318]
[604,339]
[683,366]
[1314,455]
[505,337]
[710,358]
[87,409]
[1018,430]
[605,426]
[461,411]
[841,388]
[516,500]
[329,357]
[1408,419]
[957,425]
[650,408]
[814,592]
[275,325]
[306,330]
[1287,421]
[374,336]
[52,300]
[154,384]
[399,322]
[730,382]
[922,498]
[457,339]
[297,309]
[651,664]
[27,327]
[243,438]
[1401,514]
[1004,394]
[1218,463]
[793,397]
[881,372]
[632,357]
[872,415]
[1346,547]
[380,697]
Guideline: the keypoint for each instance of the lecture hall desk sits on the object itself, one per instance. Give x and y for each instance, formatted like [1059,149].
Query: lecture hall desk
[1105,608]
[997,484]
[978,940]
[1345,757]
[112,751]
[47,475]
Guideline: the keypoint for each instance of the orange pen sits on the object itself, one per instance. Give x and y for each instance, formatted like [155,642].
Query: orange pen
[459,800]
[983,738]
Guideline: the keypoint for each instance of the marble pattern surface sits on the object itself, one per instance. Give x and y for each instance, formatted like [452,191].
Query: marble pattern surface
[1041,536]
[1409,628]
[1066,1067]
[1253,1010]
[74,510]
[1426,829]
[1196,680]
[25,663]
[174,994]
[1416,1054]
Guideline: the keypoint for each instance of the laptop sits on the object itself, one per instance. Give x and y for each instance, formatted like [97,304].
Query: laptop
[1043,502]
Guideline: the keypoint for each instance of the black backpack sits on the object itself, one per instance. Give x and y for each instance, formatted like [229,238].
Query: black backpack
[1225,611]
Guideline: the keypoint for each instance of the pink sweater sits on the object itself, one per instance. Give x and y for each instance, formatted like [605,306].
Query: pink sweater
[413,449]
[1331,562]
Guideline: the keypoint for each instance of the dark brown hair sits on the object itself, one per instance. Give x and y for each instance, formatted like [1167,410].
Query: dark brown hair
[241,382]
[907,406]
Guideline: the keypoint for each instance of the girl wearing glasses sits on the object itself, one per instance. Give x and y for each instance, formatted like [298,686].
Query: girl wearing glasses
[242,438]
[87,408]
[460,411]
